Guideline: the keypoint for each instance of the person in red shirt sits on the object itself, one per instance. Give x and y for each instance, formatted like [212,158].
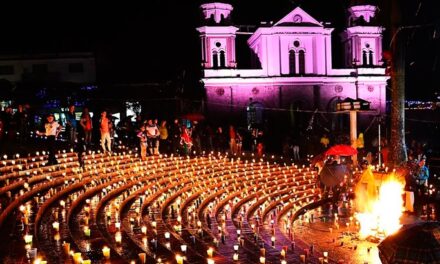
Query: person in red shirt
[86,124]
[232,142]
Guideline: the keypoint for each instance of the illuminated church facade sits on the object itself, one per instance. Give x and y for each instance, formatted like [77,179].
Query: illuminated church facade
[292,69]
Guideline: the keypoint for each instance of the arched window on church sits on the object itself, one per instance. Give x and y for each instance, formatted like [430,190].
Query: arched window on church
[301,62]
[292,68]
[364,58]
[214,60]
[222,59]
[370,58]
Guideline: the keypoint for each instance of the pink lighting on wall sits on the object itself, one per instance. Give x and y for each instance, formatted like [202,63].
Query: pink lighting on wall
[216,10]
[366,11]
[295,55]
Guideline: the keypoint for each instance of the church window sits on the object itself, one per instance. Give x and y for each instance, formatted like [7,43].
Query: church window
[222,59]
[370,58]
[301,62]
[292,67]
[364,58]
[214,60]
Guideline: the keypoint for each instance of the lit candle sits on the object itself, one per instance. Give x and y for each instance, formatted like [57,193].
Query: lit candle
[144,230]
[302,258]
[118,225]
[210,252]
[118,237]
[179,259]
[235,247]
[325,254]
[66,247]
[87,261]
[106,252]
[211,261]
[235,257]
[142,258]
[262,260]
[77,259]
[56,225]
[283,253]
[183,248]
[86,231]
[28,239]
[167,235]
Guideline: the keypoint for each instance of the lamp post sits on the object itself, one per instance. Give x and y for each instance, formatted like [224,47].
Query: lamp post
[353,114]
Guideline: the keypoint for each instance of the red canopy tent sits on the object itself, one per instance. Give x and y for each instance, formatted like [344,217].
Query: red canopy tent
[341,150]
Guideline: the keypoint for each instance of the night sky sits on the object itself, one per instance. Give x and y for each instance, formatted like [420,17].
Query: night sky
[155,42]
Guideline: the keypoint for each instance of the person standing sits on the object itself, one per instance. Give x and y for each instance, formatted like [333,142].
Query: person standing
[186,140]
[87,126]
[22,122]
[232,140]
[157,136]
[163,131]
[239,141]
[51,131]
[152,134]
[71,125]
[175,132]
[421,188]
[105,125]
[142,135]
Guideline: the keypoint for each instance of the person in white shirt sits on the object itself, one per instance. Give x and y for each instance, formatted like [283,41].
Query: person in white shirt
[52,129]
[152,135]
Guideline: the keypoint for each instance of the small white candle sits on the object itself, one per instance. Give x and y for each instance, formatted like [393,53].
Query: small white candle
[118,237]
[28,239]
[56,225]
[106,252]
[210,252]
[179,259]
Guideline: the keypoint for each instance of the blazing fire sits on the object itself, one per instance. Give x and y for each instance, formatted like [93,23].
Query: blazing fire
[379,209]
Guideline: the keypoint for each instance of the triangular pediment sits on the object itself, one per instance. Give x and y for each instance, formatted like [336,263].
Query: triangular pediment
[298,16]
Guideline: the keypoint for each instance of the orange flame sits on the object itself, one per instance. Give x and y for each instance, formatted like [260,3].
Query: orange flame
[379,209]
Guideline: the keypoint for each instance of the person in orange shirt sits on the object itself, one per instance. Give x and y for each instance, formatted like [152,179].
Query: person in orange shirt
[105,126]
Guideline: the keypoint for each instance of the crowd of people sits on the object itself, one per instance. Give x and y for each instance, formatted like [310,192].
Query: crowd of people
[20,127]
